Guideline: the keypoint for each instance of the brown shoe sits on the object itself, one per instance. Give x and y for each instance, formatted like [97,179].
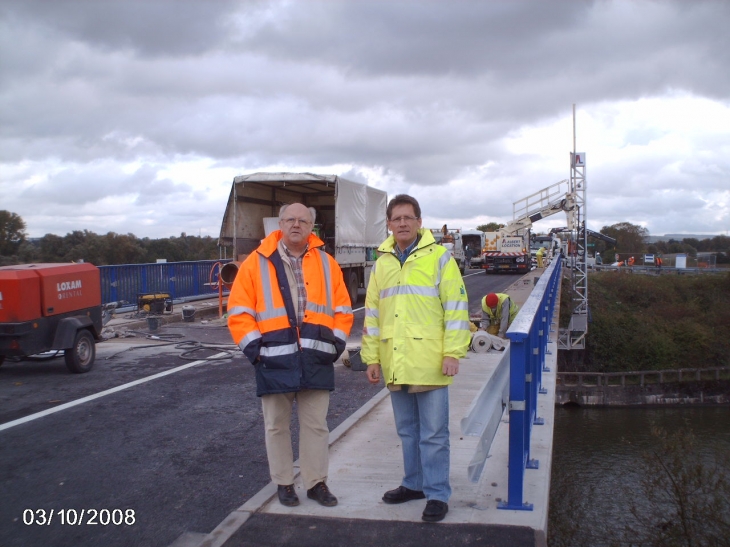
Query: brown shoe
[287,495]
[322,494]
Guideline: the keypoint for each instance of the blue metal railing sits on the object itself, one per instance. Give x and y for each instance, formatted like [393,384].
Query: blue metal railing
[529,335]
[124,282]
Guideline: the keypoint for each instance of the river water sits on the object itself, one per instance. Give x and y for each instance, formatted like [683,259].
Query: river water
[596,463]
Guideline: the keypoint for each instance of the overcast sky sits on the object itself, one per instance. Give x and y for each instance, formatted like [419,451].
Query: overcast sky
[134,116]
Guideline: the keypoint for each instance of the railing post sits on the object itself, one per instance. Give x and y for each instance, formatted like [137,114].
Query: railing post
[519,426]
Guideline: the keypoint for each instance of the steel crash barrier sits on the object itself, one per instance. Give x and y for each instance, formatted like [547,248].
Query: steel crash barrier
[123,283]
[529,335]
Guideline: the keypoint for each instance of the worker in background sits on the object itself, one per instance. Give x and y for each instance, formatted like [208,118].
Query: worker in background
[599,260]
[469,253]
[289,311]
[540,254]
[498,312]
[658,261]
[631,261]
[416,329]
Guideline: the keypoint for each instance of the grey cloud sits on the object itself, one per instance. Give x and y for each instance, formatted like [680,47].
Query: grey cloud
[79,185]
[172,27]
[421,92]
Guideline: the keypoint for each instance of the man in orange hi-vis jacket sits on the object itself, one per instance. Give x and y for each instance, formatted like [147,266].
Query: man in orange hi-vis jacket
[289,311]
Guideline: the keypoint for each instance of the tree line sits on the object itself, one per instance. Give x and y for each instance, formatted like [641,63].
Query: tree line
[113,248]
[97,249]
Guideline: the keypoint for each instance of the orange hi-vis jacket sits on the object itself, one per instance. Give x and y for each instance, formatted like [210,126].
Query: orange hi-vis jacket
[263,322]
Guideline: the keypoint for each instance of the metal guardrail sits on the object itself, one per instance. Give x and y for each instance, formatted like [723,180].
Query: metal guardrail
[653,270]
[643,377]
[125,282]
[529,335]
[485,413]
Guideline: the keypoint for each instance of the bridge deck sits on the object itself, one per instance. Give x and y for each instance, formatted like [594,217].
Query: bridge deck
[366,460]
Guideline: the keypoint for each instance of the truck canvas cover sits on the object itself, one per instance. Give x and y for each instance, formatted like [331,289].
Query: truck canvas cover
[353,210]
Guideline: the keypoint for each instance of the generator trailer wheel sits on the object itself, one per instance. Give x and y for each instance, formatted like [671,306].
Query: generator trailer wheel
[80,357]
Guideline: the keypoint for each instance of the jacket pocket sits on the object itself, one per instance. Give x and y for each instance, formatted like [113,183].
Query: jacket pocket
[424,332]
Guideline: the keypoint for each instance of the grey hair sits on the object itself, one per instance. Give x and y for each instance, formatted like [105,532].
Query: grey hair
[312,212]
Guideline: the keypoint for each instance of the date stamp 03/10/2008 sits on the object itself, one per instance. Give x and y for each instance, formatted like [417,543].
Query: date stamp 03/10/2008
[79,517]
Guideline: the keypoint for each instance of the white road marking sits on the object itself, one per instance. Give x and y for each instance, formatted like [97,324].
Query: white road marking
[77,402]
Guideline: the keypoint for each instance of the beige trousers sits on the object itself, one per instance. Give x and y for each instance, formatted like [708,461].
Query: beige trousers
[312,405]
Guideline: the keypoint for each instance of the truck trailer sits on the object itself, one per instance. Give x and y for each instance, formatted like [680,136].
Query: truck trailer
[507,253]
[351,218]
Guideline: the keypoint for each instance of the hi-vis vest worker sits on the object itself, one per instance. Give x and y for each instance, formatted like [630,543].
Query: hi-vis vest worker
[415,315]
[497,321]
[263,321]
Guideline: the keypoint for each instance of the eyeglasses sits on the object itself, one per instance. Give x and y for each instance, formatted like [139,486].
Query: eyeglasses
[398,220]
[291,221]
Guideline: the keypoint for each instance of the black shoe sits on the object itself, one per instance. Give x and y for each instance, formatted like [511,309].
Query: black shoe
[322,494]
[402,494]
[435,511]
[287,495]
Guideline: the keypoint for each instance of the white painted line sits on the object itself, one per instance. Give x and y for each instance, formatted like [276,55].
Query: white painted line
[77,402]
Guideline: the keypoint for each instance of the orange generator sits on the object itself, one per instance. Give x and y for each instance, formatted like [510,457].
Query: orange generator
[45,307]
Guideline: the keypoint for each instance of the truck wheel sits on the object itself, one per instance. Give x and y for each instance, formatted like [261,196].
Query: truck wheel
[353,286]
[80,357]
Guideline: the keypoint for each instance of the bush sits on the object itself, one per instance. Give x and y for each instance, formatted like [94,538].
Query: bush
[654,322]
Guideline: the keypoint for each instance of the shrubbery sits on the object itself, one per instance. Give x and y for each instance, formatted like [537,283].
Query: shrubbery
[642,322]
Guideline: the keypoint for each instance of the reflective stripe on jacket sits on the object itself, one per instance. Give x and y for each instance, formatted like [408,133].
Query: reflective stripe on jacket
[415,315]
[262,318]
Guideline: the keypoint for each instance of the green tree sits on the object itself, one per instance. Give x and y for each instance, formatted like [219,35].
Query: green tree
[51,248]
[490,227]
[630,238]
[12,233]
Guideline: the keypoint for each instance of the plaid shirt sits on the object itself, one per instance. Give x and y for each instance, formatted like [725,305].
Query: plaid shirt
[296,266]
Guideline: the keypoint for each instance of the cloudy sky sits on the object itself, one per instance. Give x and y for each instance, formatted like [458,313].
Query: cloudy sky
[133,116]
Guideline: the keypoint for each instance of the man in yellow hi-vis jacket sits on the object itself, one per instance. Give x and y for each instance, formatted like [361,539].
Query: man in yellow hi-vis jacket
[416,330]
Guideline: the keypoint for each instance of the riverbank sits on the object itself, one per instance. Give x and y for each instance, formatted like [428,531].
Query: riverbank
[685,386]
[602,394]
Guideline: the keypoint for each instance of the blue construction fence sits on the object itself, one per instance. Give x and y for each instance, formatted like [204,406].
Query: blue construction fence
[529,336]
[125,282]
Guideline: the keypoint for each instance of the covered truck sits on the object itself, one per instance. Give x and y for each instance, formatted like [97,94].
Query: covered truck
[350,219]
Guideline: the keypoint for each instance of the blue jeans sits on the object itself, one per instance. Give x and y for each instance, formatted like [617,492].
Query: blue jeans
[422,422]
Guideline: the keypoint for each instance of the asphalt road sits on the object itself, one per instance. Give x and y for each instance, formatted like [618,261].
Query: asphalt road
[146,462]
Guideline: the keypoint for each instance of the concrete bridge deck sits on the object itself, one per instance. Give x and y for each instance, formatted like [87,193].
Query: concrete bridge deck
[365,461]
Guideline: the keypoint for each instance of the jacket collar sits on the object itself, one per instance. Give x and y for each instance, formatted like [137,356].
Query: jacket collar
[388,246]
[269,243]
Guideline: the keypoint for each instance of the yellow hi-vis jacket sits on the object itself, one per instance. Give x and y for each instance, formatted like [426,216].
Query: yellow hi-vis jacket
[415,315]
[263,322]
